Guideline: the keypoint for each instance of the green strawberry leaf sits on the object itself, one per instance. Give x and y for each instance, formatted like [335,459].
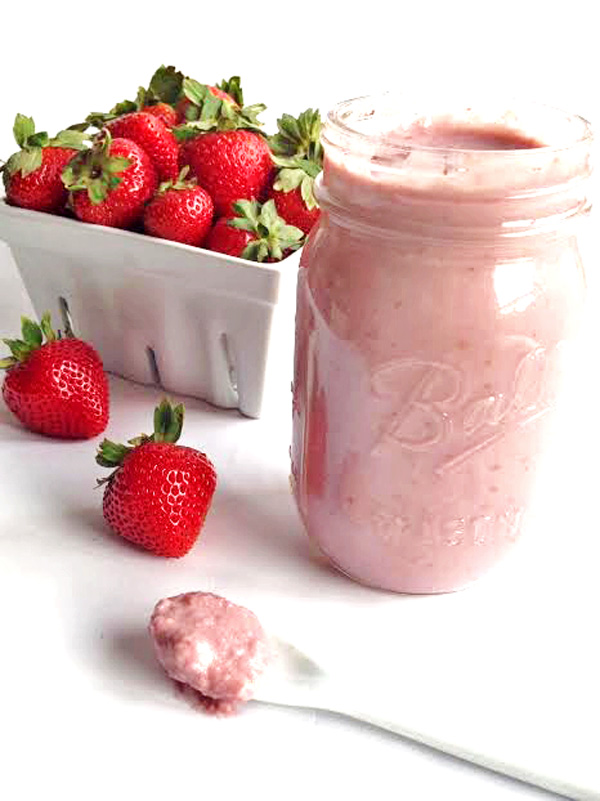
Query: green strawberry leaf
[97,190]
[166,85]
[288,179]
[299,137]
[79,126]
[40,139]
[273,237]
[268,214]
[307,192]
[31,333]
[8,362]
[247,211]
[195,91]
[27,161]
[233,87]
[168,422]
[33,338]
[116,164]
[111,454]
[290,233]
[142,98]
[46,327]
[124,107]
[70,138]
[23,128]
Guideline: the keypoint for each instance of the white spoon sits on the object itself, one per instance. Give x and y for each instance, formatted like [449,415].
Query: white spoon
[293,679]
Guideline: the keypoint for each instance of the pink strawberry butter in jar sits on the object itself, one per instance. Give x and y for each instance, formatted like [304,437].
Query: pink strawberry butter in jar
[437,296]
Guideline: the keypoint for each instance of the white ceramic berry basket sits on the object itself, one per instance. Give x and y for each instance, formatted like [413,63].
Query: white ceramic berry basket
[183,318]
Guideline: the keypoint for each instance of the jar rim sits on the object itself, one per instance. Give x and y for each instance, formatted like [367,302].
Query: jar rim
[339,120]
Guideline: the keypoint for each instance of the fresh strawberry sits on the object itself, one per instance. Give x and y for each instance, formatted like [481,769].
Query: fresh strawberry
[225,238]
[160,492]
[298,153]
[292,205]
[181,211]
[256,233]
[222,144]
[164,112]
[153,136]
[32,176]
[57,387]
[110,183]
[230,165]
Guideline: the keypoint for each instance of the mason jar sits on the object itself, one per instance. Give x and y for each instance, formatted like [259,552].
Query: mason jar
[436,300]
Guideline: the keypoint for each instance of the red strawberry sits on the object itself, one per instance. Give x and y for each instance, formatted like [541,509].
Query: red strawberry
[298,152]
[230,165]
[160,493]
[293,208]
[224,238]
[180,211]
[164,112]
[110,183]
[153,136]
[32,176]
[57,387]
[257,233]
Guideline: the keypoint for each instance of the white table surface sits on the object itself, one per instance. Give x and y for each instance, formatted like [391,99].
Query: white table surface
[87,713]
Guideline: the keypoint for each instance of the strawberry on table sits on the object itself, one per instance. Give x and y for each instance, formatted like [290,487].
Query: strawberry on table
[160,492]
[255,232]
[180,211]
[32,176]
[298,153]
[110,183]
[57,387]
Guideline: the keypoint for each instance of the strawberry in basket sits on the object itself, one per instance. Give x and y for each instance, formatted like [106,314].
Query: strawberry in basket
[180,211]
[159,492]
[32,175]
[254,231]
[110,183]
[223,145]
[298,153]
[57,387]
[153,136]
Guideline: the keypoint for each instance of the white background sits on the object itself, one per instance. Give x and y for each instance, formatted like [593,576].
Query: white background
[61,60]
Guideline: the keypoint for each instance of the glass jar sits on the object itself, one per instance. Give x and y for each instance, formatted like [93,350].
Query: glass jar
[436,297]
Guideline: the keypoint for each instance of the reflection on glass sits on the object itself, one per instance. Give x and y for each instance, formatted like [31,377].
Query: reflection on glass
[514,285]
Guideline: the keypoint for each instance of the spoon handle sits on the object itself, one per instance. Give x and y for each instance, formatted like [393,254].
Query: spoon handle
[491,755]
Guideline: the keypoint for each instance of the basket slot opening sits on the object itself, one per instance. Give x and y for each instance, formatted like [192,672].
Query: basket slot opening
[229,361]
[65,315]
[153,364]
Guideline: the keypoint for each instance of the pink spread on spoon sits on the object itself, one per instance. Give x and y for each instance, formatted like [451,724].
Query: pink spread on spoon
[215,649]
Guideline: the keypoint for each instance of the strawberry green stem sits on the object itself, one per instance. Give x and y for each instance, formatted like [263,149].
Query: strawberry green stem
[168,423]
[33,335]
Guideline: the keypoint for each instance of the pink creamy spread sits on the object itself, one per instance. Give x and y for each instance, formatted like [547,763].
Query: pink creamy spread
[437,298]
[452,135]
[215,649]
